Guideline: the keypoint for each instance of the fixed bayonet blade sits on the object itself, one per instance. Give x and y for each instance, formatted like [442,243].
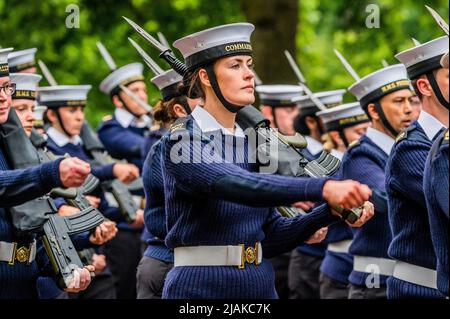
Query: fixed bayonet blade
[302,82]
[47,74]
[347,65]
[106,56]
[163,40]
[438,19]
[156,69]
[136,98]
[416,42]
[294,67]
[146,36]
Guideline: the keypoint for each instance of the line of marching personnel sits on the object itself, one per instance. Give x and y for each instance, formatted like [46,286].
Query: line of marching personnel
[204,222]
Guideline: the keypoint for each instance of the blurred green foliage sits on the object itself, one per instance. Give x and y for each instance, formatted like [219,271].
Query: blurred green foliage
[73,58]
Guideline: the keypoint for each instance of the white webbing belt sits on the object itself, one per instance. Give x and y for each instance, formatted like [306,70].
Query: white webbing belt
[213,255]
[10,252]
[415,274]
[340,246]
[382,266]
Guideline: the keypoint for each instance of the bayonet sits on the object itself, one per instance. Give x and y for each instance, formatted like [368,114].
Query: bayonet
[302,82]
[439,20]
[46,72]
[156,69]
[106,56]
[347,65]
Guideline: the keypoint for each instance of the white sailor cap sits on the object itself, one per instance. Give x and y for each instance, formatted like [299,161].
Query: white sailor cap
[4,68]
[26,85]
[21,60]
[346,115]
[424,58]
[280,95]
[125,75]
[63,95]
[39,111]
[328,98]
[380,83]
[167,83]
[206,46]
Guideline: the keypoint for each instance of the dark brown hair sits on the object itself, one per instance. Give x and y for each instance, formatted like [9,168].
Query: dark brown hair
[164,113]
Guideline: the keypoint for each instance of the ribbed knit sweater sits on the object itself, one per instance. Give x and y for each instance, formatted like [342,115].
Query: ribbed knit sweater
[365,162]
[408,217]
[224,202]
[122,143]
[17,187]
[103,173]
[153,137]
[155,213]
[436,195]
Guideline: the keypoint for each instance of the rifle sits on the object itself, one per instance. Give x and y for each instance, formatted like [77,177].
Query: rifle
[40,215]
[120,191]
[325,165]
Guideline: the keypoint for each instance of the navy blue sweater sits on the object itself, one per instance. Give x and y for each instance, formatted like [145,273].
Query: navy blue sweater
[153,137]
[123,143]
[408,218]
[436,195]
[337,266]
[154,213]
[17,187]
[103,173]
[365,162]
[220,202]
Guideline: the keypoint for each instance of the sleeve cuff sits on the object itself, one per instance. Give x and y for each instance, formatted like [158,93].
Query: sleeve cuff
[50,174]
[314,189]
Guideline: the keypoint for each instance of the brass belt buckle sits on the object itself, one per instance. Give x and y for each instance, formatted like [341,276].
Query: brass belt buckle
[249,256]
[22,254]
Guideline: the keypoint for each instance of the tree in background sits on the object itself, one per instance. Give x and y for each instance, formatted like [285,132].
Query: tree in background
[275,31]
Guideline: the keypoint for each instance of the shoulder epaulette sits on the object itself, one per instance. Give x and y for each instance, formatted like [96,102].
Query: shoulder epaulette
[107,118]
[354,144]
[403,135]
[445,139]
[180,124]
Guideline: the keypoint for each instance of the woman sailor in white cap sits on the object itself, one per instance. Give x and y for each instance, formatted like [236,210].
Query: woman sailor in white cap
[218,211]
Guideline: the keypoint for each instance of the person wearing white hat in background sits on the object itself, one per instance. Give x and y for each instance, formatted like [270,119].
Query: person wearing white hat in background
[17,278]
[278,107]
[414,273]
[24,98]
[305,262]
[387,98]
[309,125]
[346,123]
[214,206]
[157,259]
[22,61]
[436,189]
[123,134]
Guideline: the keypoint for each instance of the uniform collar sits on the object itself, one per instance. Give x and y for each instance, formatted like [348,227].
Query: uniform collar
[314,146]
[61,139]
[382,140]
[429,124]
[208,123]
[127,119]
